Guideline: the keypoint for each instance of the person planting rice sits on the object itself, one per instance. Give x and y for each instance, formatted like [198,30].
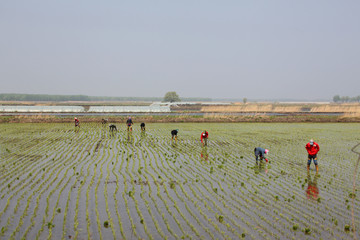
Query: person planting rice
[129,124]
[174,134]
[77,122]
[260,153]
[312,149]
[142,125]
[112,127]
[204,137]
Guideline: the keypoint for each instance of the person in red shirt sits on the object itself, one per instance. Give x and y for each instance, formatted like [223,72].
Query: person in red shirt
[77,122]
[204,137]
[312,149]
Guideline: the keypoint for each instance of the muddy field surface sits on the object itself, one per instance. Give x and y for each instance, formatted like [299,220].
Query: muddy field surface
[58,182]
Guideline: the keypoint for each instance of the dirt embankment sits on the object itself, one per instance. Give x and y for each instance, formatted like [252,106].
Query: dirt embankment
[184,118]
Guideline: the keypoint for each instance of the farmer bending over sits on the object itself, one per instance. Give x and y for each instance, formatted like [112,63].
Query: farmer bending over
[312,149]
[129,124]
[174,134]
[260,152]
[77,122]
[204,136]
[142,125]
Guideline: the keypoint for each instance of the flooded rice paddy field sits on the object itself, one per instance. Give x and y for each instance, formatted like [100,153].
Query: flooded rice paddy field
[89,183]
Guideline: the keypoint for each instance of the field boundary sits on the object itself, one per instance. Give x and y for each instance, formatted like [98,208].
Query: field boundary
[216,118]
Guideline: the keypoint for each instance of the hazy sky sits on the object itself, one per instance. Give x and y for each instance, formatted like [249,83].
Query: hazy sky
[308,49]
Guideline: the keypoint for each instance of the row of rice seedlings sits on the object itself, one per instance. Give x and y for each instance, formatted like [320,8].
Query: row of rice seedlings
[47,222]
[30,197]
[101,164]
[119,150]
[195,195]
[134,157]
[139,173]
[147,204]
[40,190]
[19,164]
[11,187]
[87,149]
[210,199]
[254,196]
[159,195]
[92,167]
[173,170]
[73,185]
[84,178]
[26,188]
[164,171]
[151,155]
[111,161]
[68,159]
[128,193]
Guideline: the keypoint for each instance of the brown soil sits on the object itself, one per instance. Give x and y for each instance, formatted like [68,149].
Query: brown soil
[170,119]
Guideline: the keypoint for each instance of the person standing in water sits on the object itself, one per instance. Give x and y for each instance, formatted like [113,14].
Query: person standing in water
[129,124]
[77,122]
[204,137]
[312,149]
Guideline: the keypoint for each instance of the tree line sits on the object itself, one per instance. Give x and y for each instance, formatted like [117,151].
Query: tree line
[81,98]
[342,99]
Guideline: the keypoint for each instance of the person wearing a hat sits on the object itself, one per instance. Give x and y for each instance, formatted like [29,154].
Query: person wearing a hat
[204,136]
[312,149]
[174,134]
[260,152]
[77,122]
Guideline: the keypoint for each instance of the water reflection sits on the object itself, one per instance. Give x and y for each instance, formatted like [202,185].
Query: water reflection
[130,137]
[112,134]
[143,135]
[260,167]
[204,154]
[312,191]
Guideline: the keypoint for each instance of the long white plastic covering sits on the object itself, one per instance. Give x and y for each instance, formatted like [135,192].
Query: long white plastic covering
[41,109]
[95,109]
[152,108]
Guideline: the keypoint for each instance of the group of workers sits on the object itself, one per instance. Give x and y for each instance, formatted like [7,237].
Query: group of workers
[311,147]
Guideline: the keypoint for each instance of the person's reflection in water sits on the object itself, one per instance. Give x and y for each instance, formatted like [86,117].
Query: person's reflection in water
[143,135]
[260,167]
[312,191]
[130,137]
[204,154]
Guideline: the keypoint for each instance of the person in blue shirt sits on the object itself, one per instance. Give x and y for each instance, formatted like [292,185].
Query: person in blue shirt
[260,153]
